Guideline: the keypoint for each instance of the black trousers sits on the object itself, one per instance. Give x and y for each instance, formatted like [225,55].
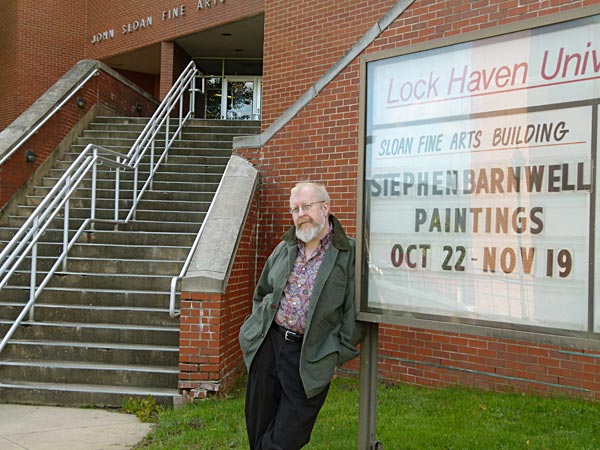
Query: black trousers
[279,416]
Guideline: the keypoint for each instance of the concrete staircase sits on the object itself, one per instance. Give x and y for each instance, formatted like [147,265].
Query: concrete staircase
[102,331]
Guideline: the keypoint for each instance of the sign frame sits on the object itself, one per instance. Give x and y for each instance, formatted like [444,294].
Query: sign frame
[488,328]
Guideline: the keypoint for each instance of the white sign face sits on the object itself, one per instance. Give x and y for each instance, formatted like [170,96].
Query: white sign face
[478,180]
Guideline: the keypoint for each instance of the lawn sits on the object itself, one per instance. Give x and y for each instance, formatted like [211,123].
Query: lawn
[408,418]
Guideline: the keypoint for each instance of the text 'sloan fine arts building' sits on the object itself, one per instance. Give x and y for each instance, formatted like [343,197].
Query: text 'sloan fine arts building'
[147,151]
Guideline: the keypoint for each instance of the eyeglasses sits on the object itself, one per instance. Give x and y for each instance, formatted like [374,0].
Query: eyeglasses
[306,207]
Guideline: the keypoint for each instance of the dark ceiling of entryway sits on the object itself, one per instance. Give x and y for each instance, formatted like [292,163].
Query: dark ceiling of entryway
[242,39]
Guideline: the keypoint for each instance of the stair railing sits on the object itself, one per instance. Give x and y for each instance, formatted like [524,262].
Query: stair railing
[24,244]
[145,145]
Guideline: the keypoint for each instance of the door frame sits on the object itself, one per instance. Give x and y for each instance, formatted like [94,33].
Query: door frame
[256,94]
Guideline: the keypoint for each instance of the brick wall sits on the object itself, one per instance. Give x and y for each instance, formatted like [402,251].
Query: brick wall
[210,358]
[41,40]
[8,52]
[433,358]
[302,41]
[103,89]
[173,61]
[105,15]
[42,55]
[149,83]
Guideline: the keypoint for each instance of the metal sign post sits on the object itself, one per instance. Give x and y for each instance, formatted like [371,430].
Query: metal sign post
[367,404]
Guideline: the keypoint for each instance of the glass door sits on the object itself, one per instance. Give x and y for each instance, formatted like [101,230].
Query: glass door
[241,98]
[210,104]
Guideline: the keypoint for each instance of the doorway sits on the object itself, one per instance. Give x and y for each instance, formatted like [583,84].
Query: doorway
[240,99]
[229,89]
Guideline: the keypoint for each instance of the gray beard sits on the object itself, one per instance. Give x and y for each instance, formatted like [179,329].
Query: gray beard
[310,234]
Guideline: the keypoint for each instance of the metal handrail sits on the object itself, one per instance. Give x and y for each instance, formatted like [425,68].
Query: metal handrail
[146,141]
[24,243]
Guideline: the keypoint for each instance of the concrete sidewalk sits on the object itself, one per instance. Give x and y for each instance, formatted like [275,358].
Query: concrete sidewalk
[48,428]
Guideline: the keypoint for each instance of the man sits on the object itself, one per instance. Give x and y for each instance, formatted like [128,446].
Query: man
[302,324]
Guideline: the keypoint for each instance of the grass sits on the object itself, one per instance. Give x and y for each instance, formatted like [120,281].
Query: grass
[408,418]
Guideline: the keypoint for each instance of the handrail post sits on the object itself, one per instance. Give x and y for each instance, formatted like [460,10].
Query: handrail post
[93,188]
[180,128]
[151,173]
[172,294]
[116,195]
[167,134]
[135,189]
[193,97]
[66,227]
[33,279]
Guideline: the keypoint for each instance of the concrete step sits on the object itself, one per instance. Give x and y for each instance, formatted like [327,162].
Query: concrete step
[132,238]
[90,263]
[75,372]
[156,195]
[191,134]
[193,158]
[210,174]
[175,164]
[121,120]
[45,250]
[161,215]
[182,147]
[189,130]
[91,281]
[152,194]
[98,297]
[136,128]
[240,127]
[123,143]
[54,236]
[12,221]
[32,201]
[128,132]
[187,148]
[51,234]
[143,316]
[95,332]
[156,201]
[92,352]
[123,254]
[229,124]
[26,392]
[158,185]
[143,220]
[102,331]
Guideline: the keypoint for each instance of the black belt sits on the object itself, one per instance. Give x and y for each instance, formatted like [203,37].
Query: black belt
[288,335]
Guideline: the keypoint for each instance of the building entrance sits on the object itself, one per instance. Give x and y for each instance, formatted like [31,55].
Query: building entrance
[234,98]
[229,90]
[243,98]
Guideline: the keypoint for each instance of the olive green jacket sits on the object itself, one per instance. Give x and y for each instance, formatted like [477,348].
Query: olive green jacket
[332,333]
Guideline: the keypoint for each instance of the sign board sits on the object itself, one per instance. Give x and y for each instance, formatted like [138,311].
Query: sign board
[478,182]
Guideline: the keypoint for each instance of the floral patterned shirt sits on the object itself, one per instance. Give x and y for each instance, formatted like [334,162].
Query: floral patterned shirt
[294,305]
